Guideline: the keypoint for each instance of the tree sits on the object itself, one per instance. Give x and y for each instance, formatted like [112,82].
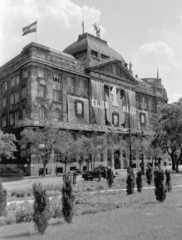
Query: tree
[7,145]
[66,145]
[168,131]
[40,141]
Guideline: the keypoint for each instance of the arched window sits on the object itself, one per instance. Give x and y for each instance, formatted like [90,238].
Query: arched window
[57,114]
[42,112]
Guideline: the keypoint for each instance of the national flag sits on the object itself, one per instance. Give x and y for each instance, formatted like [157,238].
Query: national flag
[29,29]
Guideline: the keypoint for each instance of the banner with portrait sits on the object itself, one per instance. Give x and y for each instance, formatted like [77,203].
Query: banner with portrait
[114,101]
[78,110]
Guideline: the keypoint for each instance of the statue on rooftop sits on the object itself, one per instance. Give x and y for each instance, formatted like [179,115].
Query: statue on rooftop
[97,30]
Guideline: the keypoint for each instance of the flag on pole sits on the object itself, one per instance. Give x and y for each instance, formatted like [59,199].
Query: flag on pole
[30,28]
[83,26]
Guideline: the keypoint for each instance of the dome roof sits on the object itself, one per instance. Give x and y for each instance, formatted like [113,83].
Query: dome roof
[95,44]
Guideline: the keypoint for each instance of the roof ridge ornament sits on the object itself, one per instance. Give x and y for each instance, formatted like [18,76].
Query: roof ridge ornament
[97,30]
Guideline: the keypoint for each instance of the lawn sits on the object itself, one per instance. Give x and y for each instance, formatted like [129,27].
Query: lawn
[117,216]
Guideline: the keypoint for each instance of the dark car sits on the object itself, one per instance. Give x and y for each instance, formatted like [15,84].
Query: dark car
[90,175]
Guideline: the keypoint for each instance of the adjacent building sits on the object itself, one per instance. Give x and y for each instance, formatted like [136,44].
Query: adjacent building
[89,86]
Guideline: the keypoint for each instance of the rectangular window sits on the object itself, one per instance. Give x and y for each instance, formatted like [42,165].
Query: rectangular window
[12,81]
[16,97]
[40,73]
[24,92]
[58,157]
[56,78]
[4,121]
[16,79]
[56,96]
[12,98]
[70,80]
[25,74]
[4,102]
[11,118]
[16,116]
[42,91]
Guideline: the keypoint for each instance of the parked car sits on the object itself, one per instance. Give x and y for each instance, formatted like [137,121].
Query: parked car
[90,175]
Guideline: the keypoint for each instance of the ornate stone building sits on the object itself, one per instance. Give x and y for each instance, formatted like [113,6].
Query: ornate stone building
[90,88]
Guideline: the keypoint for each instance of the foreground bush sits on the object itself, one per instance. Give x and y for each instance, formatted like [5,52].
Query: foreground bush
[67,199]
[168,180]
[56,208]
[6,220]
[24,213]
[139,181]
[149,174]
[160,188]
[41,213]
[130,181]
[3,201]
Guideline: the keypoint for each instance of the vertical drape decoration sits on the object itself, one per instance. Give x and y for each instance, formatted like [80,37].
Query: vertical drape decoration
[109,98]
[98,104]
[130,107]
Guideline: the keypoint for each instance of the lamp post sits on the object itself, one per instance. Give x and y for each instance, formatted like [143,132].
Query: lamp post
[142,166]
[129,131]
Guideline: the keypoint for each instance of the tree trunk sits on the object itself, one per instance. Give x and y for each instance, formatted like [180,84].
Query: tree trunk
[44,166]
[65,167]
[177,162]
[173,164]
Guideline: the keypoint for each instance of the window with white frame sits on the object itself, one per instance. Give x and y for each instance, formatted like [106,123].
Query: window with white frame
[4,121]
[4,102]
[11,118]
[16,97]
[24,92]
[12,98]
[58,157]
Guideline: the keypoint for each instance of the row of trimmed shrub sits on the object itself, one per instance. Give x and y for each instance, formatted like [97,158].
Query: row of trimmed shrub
[162,182]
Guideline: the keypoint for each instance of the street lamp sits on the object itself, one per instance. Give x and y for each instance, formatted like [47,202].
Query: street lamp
[142,166]
[129,131]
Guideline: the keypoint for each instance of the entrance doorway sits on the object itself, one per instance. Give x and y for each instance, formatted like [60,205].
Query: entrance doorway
[117,163]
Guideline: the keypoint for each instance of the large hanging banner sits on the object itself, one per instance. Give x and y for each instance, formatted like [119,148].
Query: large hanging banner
[115,115]
[130,108]
[98,103]
[78,110]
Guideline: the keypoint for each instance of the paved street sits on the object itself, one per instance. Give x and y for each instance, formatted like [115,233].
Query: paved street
[26,183]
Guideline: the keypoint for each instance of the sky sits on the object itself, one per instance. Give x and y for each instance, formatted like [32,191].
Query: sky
[147,33]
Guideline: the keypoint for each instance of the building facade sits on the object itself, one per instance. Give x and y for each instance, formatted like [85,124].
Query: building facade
[89,87]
